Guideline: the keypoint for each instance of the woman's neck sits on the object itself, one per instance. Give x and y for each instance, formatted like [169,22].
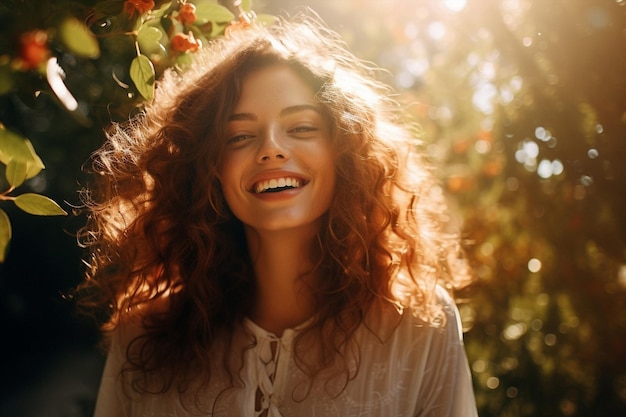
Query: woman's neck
[282,269]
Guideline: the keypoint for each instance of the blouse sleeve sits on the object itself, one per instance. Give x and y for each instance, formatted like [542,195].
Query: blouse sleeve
[447,384]
[110,401]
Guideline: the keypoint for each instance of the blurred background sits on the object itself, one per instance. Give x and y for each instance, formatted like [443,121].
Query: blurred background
[523,109]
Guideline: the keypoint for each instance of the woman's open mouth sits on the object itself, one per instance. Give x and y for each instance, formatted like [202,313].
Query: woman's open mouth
[275,185]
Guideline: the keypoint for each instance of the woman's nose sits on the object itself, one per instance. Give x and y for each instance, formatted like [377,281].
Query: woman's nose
[272,147]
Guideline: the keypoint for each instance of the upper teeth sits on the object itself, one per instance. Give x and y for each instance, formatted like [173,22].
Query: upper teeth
[276,183]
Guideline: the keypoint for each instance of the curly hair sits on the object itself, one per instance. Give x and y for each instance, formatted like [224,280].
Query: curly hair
[160,231]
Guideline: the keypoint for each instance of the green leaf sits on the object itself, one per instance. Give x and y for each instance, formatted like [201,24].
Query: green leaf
[210,12]
[38,205]
[246,5]
[16,172]
[166,8]
[143,75]
[15,147]
[78,38]
[184,61]
[148,38]
[266,19]
[217,29]
[5,234]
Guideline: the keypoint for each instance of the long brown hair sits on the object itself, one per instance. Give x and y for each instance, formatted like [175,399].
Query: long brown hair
[160,231]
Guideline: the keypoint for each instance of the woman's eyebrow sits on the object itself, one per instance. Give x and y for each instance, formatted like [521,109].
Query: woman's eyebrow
[242,116]
[299,108]
[284,112]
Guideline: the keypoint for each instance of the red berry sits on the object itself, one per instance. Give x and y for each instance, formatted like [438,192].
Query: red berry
[34,49]
[187,14]
[140,6]
[183,43]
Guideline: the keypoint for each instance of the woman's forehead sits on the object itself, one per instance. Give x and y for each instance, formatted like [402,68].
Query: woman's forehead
[273,85]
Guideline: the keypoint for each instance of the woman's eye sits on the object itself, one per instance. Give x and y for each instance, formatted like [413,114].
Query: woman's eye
[304,129]
[238,138]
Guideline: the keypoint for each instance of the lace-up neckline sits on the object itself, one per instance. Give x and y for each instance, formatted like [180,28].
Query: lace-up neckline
[269,359]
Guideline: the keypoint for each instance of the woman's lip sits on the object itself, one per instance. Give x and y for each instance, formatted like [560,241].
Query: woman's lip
[283,195]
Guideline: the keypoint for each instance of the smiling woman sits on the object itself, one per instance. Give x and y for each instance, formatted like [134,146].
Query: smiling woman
[266,241]
[279,135]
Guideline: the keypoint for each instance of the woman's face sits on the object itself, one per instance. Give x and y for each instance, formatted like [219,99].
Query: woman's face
[278,171]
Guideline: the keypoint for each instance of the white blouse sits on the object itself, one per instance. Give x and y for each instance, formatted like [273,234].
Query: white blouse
[416,370]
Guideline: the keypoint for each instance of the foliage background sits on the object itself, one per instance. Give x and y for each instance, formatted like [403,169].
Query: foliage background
[523,105]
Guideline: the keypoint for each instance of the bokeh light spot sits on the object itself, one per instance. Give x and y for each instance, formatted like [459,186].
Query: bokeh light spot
[527,153]
[511,392]
[544,169]
[509,363]
[514,331]
[486,249]
[38,184]
[621,276]
[455,5]
[534,265]
[557,167]
[482,146]
[550,339]
[531,149]
[547,168]
[436,30]
[483,97]
[405,80]
[516,83]
[479,366]
[586,181]
[493,382]
[542,134]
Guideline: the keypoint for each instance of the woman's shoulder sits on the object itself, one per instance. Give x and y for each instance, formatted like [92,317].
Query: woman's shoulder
[132,324]
[415,345]
[442,318]
[414,325]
